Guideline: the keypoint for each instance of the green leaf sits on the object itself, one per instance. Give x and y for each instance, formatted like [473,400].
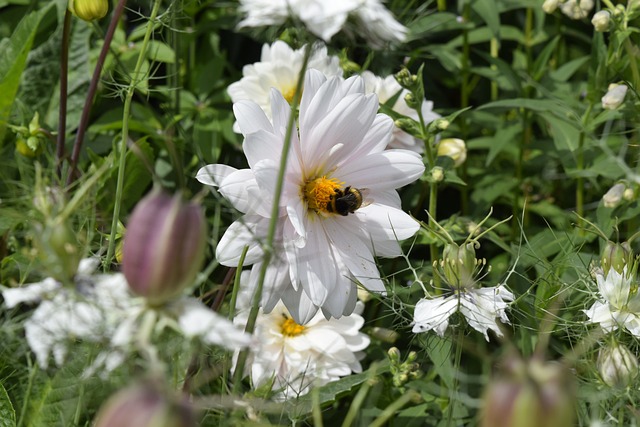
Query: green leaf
[7,413]
[565,71]
[13,60]
[489,14]
[160,52]
[330,392]
[433,22]
[541,64]
[565,134]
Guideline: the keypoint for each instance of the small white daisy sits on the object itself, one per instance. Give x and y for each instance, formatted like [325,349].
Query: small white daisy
[386,88]
[339,206]
[619,305]
[279,68]
[480,306]
[298,357]
[325,18]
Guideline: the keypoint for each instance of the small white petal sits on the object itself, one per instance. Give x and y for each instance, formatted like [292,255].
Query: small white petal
[434,314]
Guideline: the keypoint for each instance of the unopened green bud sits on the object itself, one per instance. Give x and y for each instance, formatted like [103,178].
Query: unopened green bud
[410,126]
[58,249]
[384,334]
[459,264]
[617,365]
[529,394]
[145,405]
[89,10]
[394,355]
[164,246]
[616,256]
[629,195]
[437,174]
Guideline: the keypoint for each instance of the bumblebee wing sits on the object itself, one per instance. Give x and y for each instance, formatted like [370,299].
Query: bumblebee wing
[366,197]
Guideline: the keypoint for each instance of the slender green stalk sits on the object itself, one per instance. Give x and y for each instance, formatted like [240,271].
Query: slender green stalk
[393,408]
[236,284]
[93,86]
[580,166]
[442,5]
[464,103]
[64,75]
[635,73]
[356,403]
[135,79]
[271,233]
[315,407]
[453,397]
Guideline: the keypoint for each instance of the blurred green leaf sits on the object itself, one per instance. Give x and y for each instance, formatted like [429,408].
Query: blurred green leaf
[7,413]
[13,60]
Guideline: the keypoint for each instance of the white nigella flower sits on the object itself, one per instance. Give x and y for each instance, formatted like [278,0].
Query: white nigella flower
[298,357]
[339,206]
[577,9]
[279,68]
[619,305]
[325,18]
[386,88]
[101,309]
[480,306]
[460,269]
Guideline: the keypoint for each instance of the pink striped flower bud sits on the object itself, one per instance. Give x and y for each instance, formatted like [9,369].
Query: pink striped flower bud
[164,246]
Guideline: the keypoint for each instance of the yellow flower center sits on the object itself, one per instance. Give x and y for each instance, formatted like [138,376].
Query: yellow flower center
[290,328]
[288,93]
[318,192]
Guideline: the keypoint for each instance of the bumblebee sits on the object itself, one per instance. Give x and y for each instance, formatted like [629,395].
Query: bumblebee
[345,201]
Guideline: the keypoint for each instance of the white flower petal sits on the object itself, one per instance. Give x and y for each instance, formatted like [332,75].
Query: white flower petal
[29,293]
[251,118]
[434,314]
[247,231]
[383,171]
[214,174]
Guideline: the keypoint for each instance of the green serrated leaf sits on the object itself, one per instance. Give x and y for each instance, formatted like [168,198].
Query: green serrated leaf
[7,413]
[13,60]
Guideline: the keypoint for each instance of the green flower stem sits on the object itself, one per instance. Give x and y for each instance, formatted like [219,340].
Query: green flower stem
[236,284]
[433,193]
[62,111]
[393,408]
[633,64]
[442,5]
[271,233]
[464,103]
[580,166]
[135,79]
[93,86]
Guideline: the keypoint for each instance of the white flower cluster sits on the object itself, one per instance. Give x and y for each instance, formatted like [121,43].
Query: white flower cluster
[101,309]
[325,18]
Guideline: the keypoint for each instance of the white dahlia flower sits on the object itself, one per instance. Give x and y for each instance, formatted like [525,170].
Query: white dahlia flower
[386,88]
[339,207]
[325,18]
[298,357]
[279,68]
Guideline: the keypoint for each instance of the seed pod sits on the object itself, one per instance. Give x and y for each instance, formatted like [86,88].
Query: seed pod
[163,247]
[459,264]
[617,366]
[89,10]
[145,405]
[529,394]
[616,256]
